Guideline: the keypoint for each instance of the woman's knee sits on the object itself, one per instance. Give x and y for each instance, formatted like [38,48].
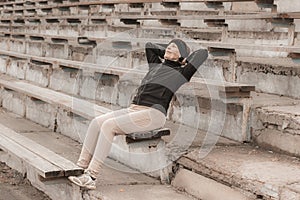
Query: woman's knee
[109,127]
[97,122]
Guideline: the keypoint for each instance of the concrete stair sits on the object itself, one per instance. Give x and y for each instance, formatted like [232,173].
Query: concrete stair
[115,181]
[277,128]
[274,75]
[258,173]
[210,167]
[268,168]
[263,104]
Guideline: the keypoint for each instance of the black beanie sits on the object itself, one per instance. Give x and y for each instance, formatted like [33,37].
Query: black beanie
[182,46]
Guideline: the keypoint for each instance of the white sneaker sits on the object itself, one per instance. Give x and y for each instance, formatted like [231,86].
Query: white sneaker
[84,181]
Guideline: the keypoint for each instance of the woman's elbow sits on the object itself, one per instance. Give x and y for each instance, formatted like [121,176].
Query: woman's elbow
[202,54]
[148,45]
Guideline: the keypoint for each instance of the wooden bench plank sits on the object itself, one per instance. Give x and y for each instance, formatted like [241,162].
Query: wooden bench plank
[68,167]
[234,94]
[45,169]
[224,85]
[73,104]
[148,135]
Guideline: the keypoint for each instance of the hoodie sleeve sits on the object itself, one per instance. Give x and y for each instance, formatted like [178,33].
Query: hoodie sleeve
[193,63]
[154,53]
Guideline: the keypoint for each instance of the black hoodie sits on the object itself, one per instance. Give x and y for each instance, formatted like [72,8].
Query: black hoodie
[165,78]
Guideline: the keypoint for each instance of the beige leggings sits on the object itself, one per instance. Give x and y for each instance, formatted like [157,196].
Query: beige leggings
[102,129]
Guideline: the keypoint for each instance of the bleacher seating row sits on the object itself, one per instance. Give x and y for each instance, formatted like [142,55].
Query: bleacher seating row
[217,23]
[51,56]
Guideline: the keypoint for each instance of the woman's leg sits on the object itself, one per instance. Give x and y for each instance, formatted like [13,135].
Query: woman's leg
[137,119]
[92,135]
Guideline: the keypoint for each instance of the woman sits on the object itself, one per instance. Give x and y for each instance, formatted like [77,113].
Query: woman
[148,109]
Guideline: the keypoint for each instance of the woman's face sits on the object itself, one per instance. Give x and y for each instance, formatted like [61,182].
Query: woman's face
[172,52]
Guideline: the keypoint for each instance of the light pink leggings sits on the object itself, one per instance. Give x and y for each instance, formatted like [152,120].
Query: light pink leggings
[102,129]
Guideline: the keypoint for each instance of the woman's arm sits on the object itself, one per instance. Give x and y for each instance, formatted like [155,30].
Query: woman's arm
[193,62]
[154,53]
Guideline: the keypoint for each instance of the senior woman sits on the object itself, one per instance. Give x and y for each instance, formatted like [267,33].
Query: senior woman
[170,66]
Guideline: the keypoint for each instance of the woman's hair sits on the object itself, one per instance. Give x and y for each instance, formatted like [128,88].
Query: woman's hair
[184,50]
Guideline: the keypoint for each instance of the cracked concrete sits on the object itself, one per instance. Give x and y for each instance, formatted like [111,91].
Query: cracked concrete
[13,186]
[237,166]
[276,125]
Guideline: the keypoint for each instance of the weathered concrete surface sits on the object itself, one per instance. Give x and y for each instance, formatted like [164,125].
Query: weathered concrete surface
[38,73]
[204,188]
[40,112]
[248,25]
[71,125]
[17,45]
[17,68]
[264,174]
[275,123]
[278,127]
[35,48]
[57,50]
[16,193]
[292,6]
[264,37]
[246,7]
[269,75]
[3,64]
[65,79]
[13,101]
[272,75]
[13,186]
[146,192]
[265,100]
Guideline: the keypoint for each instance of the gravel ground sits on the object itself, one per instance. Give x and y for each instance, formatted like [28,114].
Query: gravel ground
[13,186]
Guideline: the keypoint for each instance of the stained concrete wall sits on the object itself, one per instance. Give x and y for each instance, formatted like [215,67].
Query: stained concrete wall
[13,102]
[16,68]
[291,6]
[282,80]
[277,127]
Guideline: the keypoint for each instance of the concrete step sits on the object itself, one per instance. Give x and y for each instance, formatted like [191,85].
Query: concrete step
[205,188]
[137,5]
[256,173]
[116,181]
[278,45]
[275,123]
[233,33]
[109,54]
[269,75]
[278,128]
